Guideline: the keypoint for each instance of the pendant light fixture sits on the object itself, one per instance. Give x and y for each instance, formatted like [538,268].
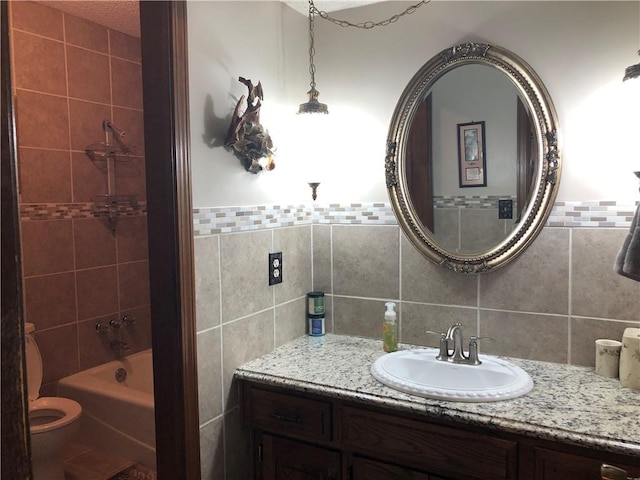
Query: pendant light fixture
[312,105]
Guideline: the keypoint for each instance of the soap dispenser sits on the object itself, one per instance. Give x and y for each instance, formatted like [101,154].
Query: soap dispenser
[389,330]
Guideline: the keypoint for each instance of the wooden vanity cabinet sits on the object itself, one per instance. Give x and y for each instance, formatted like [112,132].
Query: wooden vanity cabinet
[297,436]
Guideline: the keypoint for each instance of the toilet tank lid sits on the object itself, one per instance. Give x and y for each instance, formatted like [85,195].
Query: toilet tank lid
[29,327]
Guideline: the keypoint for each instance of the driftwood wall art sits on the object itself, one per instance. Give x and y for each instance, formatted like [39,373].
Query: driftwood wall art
[246,137]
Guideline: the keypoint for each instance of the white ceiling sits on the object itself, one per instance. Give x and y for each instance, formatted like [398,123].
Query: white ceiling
[124,15]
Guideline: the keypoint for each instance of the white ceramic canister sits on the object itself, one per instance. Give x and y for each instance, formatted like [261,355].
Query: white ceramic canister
[630,358]
[608,357]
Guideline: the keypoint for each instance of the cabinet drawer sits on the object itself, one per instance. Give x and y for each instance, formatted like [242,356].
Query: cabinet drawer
[433,448]
[288,414]
[552,465]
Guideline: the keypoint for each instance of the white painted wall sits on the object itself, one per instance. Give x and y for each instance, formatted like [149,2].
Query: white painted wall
[579,49]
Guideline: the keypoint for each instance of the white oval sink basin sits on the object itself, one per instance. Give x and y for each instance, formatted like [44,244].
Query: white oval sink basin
[419,373]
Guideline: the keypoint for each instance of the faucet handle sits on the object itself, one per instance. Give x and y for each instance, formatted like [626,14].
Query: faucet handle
[129,320]
[115,324]
[102,328]
[444,346]
[473,348]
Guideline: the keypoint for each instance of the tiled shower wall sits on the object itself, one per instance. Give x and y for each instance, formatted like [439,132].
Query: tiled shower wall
[549,304]
[69,76]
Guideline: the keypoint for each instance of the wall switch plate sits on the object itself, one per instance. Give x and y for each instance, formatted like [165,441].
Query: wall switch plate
[275,268]
[505,209]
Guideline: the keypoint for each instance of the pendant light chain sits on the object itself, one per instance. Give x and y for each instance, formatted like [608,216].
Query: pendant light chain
[312,49]
[368,24]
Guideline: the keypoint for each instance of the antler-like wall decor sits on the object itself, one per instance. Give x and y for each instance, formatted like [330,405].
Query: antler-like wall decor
[247,138]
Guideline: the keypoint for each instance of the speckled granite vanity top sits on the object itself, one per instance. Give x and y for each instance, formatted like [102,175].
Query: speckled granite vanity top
[568,403]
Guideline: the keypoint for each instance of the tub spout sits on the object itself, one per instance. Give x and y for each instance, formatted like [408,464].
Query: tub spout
[119,346]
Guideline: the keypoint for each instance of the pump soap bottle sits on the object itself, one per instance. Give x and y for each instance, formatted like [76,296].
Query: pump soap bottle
[389,339]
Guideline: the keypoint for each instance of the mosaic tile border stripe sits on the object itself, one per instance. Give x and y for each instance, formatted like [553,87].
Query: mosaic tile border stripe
[459,201]
[31,212]
[211,221]
[592,214]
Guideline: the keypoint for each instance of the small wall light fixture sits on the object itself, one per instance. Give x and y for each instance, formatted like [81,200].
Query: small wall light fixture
[312,105]
[632,71]
[314,189]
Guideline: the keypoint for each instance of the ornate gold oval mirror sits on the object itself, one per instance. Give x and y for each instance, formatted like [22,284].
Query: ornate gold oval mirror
[473,162]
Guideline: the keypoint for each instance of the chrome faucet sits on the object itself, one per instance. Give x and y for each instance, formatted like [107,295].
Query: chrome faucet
[454,334]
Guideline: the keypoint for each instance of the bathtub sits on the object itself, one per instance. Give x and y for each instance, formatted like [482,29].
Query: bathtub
[117,416]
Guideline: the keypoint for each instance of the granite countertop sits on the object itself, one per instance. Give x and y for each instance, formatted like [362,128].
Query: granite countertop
[568,403]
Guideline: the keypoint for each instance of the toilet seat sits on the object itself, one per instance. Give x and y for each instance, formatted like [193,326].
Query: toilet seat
[51,413]
[45,413]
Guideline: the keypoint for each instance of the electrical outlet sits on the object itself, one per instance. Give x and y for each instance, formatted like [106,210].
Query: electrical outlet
[505,209]
[275,268]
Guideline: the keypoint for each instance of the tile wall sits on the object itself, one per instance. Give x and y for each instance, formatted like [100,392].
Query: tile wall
[70,75]
[549,304]
[239,318]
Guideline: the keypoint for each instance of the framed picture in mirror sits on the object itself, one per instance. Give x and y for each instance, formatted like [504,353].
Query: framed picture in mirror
[471,155]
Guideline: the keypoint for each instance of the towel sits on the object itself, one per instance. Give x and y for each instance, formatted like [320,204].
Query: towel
[628,259]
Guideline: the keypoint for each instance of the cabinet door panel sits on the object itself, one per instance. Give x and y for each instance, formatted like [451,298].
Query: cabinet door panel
[552,465]
[284,459]
[367,469]
[431,447]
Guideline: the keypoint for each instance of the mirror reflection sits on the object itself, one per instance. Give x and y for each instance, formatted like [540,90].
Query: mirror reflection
[473,163]
[471,158]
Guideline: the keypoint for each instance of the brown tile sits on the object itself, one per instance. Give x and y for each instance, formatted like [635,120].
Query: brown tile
[613,296]
[134,284]
[125,46]
[127,83]
[243,341]
[86,34]
[360,317]
[212,449]
[36,18]
[131,237]
[529,275]
[42,120]
[59,350]
[130,177]
[584,333]
[85,119]
[47,247]
[132,123]
[97,292]
[138,335]
[424,281]
[207,281]
[89,178]
[417,318]
[95,244]
[209,374]
[39,64]
[93,346]
[99,462]
[50,300]
[291,320]
[525,335]
[88,74]
[45,176]
[366,260]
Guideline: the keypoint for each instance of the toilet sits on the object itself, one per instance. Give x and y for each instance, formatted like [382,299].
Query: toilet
[53,421]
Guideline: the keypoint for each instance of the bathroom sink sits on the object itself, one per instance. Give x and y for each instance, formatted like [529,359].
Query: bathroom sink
[418,372]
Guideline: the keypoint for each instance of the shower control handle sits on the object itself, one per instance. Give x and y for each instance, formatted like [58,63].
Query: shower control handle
[102,328]
[129,320]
